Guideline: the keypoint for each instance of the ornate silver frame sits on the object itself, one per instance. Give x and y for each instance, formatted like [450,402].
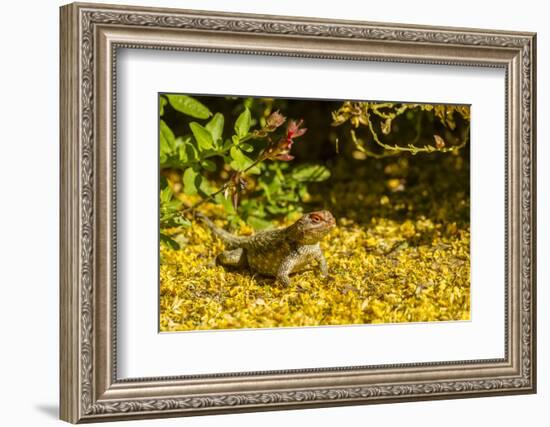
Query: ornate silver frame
[90,36]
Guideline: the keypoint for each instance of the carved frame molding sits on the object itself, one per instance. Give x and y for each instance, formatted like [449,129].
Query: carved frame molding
[90,37]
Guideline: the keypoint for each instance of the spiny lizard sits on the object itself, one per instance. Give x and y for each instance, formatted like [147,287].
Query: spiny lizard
[277,252]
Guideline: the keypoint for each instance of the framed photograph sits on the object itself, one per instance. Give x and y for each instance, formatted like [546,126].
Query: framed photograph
[267,212]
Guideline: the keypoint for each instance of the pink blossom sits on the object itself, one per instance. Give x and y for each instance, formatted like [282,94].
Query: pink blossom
[280,150]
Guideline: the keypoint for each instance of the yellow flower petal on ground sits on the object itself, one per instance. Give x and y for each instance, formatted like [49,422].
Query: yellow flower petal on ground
[374,278]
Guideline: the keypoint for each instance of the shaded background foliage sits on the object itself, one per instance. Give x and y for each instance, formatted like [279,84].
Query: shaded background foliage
[423,162]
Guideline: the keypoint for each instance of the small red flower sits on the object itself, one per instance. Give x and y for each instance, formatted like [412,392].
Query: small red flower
[293,129]
[284,157]
[280,150]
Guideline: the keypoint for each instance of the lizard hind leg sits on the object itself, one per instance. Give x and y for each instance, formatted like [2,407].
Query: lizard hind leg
[232,258]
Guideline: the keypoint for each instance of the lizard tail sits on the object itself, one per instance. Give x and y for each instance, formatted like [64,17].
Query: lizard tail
[229,239]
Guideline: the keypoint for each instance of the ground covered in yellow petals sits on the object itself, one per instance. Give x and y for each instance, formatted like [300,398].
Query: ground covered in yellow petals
[388,272]
[400,253]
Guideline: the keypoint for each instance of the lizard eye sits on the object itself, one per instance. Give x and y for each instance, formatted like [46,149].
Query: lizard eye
[315,218]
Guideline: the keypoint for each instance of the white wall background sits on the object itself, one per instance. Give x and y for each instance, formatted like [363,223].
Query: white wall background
[29,170]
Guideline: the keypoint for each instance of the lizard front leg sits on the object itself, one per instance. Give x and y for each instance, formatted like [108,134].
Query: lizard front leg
[285,268]
[318,255]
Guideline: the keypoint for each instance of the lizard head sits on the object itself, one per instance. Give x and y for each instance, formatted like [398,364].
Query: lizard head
[312,227]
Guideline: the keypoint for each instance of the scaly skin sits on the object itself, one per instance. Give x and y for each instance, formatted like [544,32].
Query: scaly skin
[279,252]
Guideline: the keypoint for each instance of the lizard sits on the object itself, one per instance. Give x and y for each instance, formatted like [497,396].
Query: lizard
[277,252]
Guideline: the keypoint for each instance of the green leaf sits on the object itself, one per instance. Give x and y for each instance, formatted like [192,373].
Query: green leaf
[277,210]
[248,102]
[255,170]
[162,103]
[242,125]
[202,135]
[209,165]
[182,140]
[203,186]
[246,147]
[215,127]
[225,202]
[168,241]
[167,139]
[191,152]
[258,223]
[271,184]
[166,195]
[173,219]
[189,181]
[226,145]
[302,191]
[240,160]
[166,142]
[181,221]
[189,106]
[182,154]
[310,173]
[180,151]
[173,205]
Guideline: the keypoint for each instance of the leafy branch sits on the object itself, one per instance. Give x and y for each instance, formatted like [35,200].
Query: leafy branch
[201,158]
[363,113]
